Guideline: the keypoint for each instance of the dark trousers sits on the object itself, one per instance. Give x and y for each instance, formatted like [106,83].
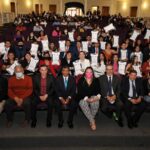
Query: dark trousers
[138,111]
[35,102]
[108,108]
[72,106]
[11,104]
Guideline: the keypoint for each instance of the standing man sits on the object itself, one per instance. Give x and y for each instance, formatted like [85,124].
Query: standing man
[66,92]
[43,89]
[110,92]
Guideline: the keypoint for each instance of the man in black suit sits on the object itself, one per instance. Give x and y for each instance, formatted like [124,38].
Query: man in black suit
[44,91]
[110,95]
[132,95]
[66,92]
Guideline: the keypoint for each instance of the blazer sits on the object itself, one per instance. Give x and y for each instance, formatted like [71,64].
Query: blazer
[37,85]
[3,88]
[103,82]
[71,87]
[125,86]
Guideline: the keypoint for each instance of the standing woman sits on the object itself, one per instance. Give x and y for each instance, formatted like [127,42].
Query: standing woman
[89,96]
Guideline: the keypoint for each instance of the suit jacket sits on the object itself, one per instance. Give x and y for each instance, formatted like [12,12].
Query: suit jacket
[3,88]
[125,86]
[71,87]
[103,81]
[37,85]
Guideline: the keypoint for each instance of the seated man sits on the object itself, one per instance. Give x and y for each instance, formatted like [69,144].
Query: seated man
[110,92]
[3,92]
[66,92]
[43,89]
[19,92]
[132,95]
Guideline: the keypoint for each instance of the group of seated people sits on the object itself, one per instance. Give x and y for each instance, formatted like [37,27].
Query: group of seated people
[82,70]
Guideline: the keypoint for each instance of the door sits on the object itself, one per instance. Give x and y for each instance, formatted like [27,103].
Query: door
[37,9]
[12,7]
[41,8]
[52,8]
[105,11]
[133,11]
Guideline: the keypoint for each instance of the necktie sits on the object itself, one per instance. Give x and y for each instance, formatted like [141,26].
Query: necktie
[133,89]
[66,83]
[109,87]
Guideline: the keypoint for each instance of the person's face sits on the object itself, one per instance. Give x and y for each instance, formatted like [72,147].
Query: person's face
[52,45]
[82,56]
[18,33]
[96,44]
[101,57]
[137,49]
[89,74]
[108,46]
[115,58]
[109,70]
[43,71]
[28,57]
[11,56]
[67,43]
[69,56]
[123,46]
[65,72]
[78,44]
[132,76]
[7,44]
[19,71]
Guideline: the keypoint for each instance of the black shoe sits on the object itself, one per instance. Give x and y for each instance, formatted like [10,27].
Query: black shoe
[130,125]
[120,123]
[60,124]
[135,125]
[48,124]
[33,124]
[70,125]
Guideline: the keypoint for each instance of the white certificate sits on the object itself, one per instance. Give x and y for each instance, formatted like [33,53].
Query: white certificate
[134,35]
[94,59]
[147,35]
[62,46]
[94,36]
[137,69]
[109,28]
[32,65]
[116,41]
[138,55]
[55,58]
[77,67]
[85,46]
[34,49]
[123,54]
[122,66]
[103,45]
[45,45]
[2,48]
[71,36]
[11,68]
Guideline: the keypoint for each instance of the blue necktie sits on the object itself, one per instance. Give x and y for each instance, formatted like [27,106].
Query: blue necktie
[66,83]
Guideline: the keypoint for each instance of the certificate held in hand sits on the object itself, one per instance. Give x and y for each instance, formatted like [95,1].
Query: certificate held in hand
[2,48]
[103,45]
[45,45]
[134,35]
[32,65]
[122,66]
[94,59]
[77,67]
[34,49]
[147,35]
[71,36]
[109,28]
[94,36]
[55,58]
[116,41]
[85,46]
[62,46]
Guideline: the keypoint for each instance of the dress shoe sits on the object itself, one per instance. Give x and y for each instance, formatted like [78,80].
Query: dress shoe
[48,124]
[70,125]
[120,123]
[60,124]
[130,125]
[33,124]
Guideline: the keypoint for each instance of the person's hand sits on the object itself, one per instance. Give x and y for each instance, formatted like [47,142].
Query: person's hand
[63,101]
[67,101]
[149,94]
[138,100]
[19,101]
[133,101]
[42,98]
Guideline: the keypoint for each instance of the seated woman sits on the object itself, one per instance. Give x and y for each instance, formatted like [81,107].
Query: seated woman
[100,68]
[18,37]
[56,32]
[42,36]
[67,61]
[32,37]
[88,95]
[47,61]
[37,27]
[115,64]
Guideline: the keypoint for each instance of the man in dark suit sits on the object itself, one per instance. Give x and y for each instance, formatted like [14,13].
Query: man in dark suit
[132,95]
[66,92]
[110,95]
[44,91]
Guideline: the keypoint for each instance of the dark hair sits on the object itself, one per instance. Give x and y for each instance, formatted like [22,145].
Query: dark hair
[43,66]
[133,71]
[65,67]
[87,69]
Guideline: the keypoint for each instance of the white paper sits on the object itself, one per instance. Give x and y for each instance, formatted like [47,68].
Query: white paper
[94,59]
[77,68]
[85,46]
[122,66]
[34,49]
[137,69]
[147,35]
[45,45]
[138,55]
[71,36]
[94,36]
[109,28]
[62,46]
[2,48]
[11,68]
[134,35]
[103,45]
[123,54]
[116,41]
[32,65]
[55,58]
